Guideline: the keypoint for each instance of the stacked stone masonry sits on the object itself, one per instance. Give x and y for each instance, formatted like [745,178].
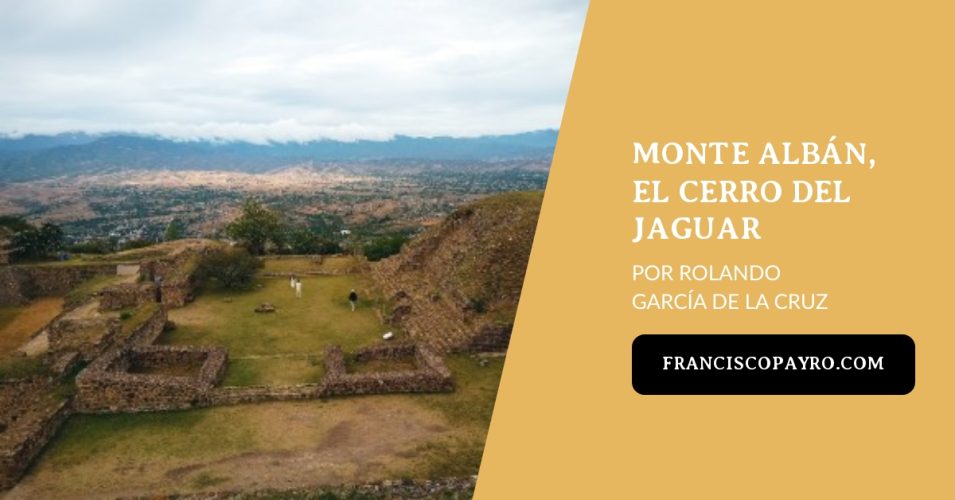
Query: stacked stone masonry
[174,277]
[124,380]
[430,374]
[87,336]
[394,489]
[491,338]
[29,418]
[147,332]
[127,295]
[440,318]
[20,284]
[263,393]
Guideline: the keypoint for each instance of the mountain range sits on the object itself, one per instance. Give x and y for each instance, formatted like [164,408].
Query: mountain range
[34,157]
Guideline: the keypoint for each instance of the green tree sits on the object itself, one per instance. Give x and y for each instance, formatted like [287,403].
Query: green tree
[175,230]
[26,244]
[232,268]
[15,223]
[302,240]
[99,246]
[256,227]
[52,239]
[37,243]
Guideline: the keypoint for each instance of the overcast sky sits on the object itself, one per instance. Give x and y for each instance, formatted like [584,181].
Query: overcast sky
[286,70]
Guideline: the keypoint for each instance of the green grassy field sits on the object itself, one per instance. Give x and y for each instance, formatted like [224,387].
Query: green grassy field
[297,369]
[282,347]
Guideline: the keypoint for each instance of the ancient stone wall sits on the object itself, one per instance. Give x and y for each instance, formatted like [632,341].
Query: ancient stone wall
[430,374]
[127,373]
[177,294]
[87,336]
[20,284]
[124,295]
[29,418]
[392,351]
[90,336]
[462,275]
[14,287]
[175,277]
[491,338]
[146,333]
[393,489]
[263,393]
[133,380]
[62,365]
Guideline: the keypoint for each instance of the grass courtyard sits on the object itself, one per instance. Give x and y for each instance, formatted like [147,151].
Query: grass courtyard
[284,347]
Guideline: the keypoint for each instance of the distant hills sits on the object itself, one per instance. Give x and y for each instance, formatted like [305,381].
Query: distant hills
[37,157]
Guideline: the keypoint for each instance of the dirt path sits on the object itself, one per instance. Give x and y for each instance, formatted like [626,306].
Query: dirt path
[27,321]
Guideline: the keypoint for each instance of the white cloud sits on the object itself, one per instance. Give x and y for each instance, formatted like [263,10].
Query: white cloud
[286,70]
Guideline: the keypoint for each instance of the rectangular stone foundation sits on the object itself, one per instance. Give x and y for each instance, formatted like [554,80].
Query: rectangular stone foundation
[133,380]
[431,374]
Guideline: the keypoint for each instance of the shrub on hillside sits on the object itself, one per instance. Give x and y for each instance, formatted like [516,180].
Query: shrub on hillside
[175,230]
[134,244]
[97,246]
[384,246]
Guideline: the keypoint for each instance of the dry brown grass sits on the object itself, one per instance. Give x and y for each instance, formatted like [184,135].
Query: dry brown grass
[17,324]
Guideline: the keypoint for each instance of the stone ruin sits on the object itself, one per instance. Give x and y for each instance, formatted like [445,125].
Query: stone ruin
[126,295]
[437,319]
[88,337]
[429,374]
[175,277]
[491,338]
[29,417]
[128,373]
[154,378]
[21,283]
[92,335]
[33,408]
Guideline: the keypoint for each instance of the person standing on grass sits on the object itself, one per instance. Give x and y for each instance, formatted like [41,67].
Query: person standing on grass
[353,299]
[291,281]
[298,288]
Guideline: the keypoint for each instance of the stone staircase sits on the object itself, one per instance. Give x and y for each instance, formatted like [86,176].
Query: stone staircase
[456,286]
[437,319]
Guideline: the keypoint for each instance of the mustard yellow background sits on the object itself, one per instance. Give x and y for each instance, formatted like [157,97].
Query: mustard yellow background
[567,423]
